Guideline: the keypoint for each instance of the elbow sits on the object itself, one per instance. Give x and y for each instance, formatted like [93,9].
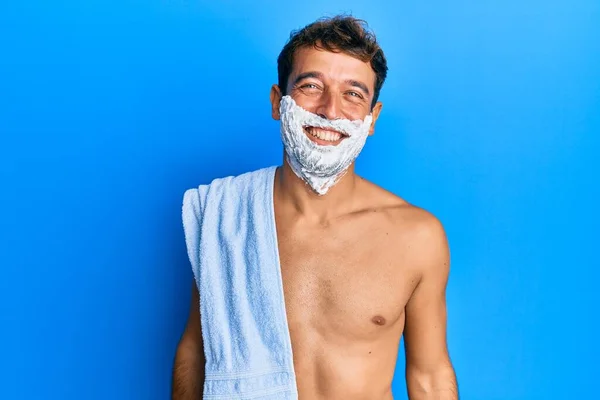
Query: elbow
[437,382]
[189,349]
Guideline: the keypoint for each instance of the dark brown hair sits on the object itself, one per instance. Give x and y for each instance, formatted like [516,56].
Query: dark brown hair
[344,34]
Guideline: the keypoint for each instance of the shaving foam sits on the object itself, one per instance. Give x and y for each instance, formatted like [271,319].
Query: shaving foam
[320,166]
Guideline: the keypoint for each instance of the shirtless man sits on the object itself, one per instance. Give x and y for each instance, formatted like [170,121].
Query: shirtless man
[360,266]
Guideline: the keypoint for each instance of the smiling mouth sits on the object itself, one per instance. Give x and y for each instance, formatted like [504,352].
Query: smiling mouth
[324,136]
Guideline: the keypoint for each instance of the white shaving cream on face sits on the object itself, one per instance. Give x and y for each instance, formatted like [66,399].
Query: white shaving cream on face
[320,166]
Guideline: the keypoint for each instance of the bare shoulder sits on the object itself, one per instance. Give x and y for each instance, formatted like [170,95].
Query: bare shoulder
[419,234]
[400,212]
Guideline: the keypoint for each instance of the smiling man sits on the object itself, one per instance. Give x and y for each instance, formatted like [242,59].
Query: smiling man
[358,267]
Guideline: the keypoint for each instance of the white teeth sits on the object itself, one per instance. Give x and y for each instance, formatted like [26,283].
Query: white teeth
[328,136]
[317,164]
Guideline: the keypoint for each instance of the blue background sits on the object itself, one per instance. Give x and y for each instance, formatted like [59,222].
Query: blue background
[109,110]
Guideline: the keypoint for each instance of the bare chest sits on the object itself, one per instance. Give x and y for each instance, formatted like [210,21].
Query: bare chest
[344,284]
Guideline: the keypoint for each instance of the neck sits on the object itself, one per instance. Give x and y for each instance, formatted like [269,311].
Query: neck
[294,193]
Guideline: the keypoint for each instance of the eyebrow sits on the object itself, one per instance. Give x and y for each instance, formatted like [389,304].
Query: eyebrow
[359,85]
[306,75]
[318,75]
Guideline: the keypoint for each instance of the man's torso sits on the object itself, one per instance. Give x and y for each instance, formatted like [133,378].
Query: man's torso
[346,284]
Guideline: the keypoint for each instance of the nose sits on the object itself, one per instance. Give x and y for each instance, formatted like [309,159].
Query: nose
[329,106]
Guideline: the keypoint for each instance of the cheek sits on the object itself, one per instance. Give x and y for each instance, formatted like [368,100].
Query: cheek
[311,102]
[307,102]
[356,111]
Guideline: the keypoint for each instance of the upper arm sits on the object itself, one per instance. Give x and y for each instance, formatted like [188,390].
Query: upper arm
[425,326]
[191,340]
[192,222]
[189,365]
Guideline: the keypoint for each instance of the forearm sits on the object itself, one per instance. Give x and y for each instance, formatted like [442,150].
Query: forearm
[188,374]
[437,385]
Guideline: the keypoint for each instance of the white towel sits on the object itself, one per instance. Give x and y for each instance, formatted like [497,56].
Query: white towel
[231,240]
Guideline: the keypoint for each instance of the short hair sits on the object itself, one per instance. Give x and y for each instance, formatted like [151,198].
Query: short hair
[344,34]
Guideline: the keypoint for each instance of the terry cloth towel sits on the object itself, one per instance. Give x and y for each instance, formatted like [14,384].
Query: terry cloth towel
[231,241]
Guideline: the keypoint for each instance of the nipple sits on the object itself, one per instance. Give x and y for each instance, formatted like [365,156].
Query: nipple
[378,320]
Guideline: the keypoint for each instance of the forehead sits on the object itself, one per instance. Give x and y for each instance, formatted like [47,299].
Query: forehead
[334,66]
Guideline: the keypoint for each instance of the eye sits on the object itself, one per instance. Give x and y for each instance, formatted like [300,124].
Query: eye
[309,86]
[355,94]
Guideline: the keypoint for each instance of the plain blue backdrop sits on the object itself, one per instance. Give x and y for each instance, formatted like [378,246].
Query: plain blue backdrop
[109,110]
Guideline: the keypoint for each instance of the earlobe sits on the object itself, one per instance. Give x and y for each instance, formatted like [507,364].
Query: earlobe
[375,113]
[275,100]
[372,128]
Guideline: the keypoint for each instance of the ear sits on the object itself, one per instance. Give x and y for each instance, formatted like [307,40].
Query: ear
[275,100]
[375,112]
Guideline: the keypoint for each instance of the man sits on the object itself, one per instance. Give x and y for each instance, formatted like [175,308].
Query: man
[360,266]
